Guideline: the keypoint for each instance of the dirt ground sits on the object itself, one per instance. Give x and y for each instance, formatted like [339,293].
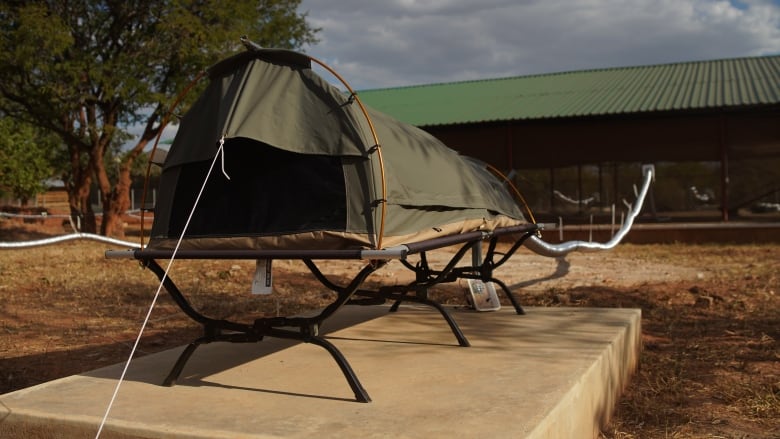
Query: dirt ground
[710,367]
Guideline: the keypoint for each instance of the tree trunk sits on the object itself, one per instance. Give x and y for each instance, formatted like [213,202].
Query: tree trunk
[78,186]
[116,198]
[115,203]
[80,208]
[90,222]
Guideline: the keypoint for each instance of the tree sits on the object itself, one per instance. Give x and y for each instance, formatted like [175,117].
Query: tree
[26,157]
[86,70]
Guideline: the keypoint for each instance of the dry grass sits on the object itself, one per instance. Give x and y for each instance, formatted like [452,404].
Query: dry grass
[710,366]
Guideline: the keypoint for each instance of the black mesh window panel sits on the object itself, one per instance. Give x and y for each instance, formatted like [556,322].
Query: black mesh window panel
[270,192]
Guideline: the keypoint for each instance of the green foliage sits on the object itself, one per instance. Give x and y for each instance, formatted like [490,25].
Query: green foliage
[86,70]
[97,64]
[25,159]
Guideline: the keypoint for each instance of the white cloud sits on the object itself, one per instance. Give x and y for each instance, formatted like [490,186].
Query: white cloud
[401,42]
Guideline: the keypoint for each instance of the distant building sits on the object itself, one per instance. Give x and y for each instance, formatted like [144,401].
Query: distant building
[723,112]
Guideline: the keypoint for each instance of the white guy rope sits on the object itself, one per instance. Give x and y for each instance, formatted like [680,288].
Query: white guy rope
[220,151]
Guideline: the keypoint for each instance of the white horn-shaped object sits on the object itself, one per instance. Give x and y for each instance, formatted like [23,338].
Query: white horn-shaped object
[537,245]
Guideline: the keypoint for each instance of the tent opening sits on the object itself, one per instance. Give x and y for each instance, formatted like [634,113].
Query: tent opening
[270,191]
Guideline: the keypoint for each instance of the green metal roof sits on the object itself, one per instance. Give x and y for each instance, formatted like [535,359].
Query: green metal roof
[738,82]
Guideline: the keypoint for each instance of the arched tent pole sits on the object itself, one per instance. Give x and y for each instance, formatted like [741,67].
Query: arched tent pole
[353,95]
[164,122]
[514,189]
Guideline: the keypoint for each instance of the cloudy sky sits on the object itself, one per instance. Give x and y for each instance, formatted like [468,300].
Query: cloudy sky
[388,43]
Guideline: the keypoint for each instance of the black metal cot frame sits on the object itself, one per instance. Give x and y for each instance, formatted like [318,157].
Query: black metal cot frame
[306,329]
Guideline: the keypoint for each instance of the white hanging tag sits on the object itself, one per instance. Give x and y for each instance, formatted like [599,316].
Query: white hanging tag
[263,281]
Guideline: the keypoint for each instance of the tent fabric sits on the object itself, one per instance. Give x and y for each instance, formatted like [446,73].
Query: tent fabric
[305,172]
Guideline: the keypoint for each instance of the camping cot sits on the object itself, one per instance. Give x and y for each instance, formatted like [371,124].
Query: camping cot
[274,162]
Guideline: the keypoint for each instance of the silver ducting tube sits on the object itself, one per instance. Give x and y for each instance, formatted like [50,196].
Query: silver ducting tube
[537,245]
[63,238]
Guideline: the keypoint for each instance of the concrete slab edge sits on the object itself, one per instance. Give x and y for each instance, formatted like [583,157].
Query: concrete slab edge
[589,405]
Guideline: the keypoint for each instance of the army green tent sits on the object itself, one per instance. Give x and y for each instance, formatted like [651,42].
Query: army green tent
[272,162]
[298,164]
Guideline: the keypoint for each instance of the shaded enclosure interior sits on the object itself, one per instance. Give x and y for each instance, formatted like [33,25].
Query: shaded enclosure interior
[265,191]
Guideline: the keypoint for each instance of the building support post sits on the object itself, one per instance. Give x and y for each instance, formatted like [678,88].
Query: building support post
[601,186]
[509,147]
[579,189]
[724,171]
[615,183]
[552,189]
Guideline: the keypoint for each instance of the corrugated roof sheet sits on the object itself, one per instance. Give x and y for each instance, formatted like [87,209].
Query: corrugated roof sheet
[697,85]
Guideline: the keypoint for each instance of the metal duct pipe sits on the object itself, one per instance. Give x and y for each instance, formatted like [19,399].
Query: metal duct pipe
[537,245]
[71,237]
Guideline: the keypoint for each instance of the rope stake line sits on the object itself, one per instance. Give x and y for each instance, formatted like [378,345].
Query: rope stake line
[220,153]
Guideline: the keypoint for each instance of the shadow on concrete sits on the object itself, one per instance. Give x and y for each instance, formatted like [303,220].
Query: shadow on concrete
[561,270]
[230,355]
[203,383]
[29,370]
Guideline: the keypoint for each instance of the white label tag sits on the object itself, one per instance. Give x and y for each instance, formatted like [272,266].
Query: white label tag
[482,295]
[263,280]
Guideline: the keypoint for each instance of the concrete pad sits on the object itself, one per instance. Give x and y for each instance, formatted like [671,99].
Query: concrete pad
[553,373]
